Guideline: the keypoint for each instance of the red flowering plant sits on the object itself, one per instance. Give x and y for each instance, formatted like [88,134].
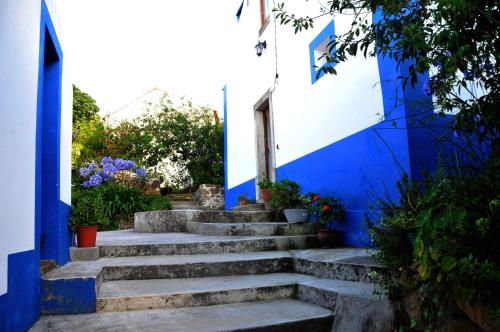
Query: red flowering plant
[325,209]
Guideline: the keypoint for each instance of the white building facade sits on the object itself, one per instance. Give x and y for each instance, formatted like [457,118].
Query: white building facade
[347,135]
[35,153]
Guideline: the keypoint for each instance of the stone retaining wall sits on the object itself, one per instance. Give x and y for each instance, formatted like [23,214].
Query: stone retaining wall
[210,196]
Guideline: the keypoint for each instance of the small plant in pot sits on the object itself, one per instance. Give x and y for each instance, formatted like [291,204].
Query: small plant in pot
[326,211]
[243,200]
[265,189]
[101,198]
[285,196]
[85,217]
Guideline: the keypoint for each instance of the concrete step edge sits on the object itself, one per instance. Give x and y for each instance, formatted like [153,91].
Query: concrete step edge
[240,245]
[275,315]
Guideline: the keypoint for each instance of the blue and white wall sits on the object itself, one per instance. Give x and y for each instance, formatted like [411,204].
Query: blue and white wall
[26,26]
[350,135]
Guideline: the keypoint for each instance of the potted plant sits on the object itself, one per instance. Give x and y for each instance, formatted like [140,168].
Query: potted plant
[98,199]
[243,199]
[285,196]
[265,189]
[326,211]
[85,217]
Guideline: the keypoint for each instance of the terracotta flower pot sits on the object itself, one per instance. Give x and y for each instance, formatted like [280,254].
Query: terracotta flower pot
[327,238]
[265,194]
[86,236]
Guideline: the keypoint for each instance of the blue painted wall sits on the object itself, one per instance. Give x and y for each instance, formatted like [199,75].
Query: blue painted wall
[20,306]
[231,195]
[71,296]
[364,167]
[49,215]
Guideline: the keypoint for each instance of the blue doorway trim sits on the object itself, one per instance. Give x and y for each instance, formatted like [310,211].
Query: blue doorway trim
[48,228]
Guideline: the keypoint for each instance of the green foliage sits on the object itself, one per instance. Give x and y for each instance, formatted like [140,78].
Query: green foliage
[182,141]
[286,195]
[265,183]
[111,204]
[156,203]
[88,142]
[85,107]
[440,240]
[190,137]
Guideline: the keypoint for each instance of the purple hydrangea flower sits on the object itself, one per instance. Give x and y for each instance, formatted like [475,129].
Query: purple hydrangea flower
[122,164]
[109,169]
[93,166]
[84,172]
[131,164]
[141,172]
[107,160]
[86,184]
[95,180]
[105,176]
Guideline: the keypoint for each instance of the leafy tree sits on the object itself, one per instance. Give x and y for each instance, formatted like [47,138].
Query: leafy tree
[88,129]
[84,106]
[189,137]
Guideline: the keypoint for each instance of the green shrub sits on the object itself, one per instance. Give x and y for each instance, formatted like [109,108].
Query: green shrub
[155,203]
[110,204]
[265,183]
[440,241]
[286,195]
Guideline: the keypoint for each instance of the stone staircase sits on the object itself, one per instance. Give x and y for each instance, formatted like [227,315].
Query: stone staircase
[191,270]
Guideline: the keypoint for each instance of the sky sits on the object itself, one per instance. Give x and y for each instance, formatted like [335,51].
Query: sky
[116,50]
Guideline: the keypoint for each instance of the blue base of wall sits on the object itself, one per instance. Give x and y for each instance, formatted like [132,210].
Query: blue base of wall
[72,296]
[231,195]
[19,307]
[361,170]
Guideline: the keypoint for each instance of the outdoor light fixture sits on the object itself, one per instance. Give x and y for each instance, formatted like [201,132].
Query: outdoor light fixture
[260,47]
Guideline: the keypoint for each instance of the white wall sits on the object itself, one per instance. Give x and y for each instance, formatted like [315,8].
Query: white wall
[307,116]
[19,56]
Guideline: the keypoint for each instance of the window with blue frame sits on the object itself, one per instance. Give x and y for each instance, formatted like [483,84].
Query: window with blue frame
[317,50]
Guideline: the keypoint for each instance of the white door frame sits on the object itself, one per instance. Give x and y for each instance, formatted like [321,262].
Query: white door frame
[264,103]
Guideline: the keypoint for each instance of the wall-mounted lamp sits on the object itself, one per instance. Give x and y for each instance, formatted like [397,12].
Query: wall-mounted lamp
[260,47]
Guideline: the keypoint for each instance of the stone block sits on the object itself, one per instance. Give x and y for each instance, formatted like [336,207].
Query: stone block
[84,254]
[210,196]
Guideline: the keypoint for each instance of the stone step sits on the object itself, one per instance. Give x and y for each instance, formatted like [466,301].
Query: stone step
[252,229]
[176,220]
[183,205]
[250,207]
[131,243]
[126,295]
[343,264]
[277,315]
[72,288]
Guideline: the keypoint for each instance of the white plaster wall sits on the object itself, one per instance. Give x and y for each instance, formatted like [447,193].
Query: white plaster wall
[307,116]
[66,104]
[19,56]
